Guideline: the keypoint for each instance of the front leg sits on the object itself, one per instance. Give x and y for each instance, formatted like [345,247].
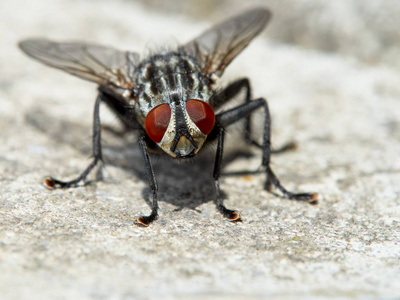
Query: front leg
[232,215]
[243,111]
[146,220]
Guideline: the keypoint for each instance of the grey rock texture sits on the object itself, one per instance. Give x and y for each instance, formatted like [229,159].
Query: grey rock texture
[331,75]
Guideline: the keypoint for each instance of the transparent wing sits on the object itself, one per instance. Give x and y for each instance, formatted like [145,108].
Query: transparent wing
[103,65]
[219,45]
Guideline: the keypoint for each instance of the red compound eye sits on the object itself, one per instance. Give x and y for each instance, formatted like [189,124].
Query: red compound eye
[202,114]
[157,121]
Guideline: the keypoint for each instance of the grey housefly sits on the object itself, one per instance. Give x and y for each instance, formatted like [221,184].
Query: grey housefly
[170,98]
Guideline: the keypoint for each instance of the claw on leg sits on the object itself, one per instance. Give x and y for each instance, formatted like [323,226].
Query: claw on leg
[273,180]
[52,183]
[49,183]
[231,215]
[146,220]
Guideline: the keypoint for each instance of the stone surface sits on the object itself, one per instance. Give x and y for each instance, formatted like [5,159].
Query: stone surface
[332,89]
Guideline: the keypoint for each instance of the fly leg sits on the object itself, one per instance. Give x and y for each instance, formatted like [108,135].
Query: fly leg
[146,220]
[230,92]
[244,111]
[232,215]
[53,183]
[271,177]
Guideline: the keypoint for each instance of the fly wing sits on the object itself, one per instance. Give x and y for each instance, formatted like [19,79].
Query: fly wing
[219,45]
[103,65]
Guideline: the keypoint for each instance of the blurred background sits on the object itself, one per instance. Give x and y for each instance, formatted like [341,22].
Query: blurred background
[367,30]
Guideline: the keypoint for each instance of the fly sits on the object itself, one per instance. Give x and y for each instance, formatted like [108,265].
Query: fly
[172,96]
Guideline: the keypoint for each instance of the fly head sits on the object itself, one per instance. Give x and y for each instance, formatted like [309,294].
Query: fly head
[180,128]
